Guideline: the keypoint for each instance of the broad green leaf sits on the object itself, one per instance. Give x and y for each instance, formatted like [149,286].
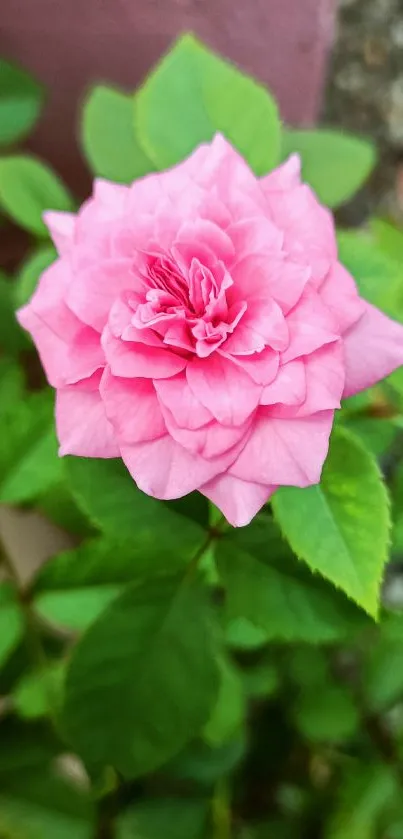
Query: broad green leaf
[30,272]
[12,337]
[108,136]
[75,587]
[58,505]
[44,806]
[28,188]
[191,95]
[228,713]
[28,449]
[276,594]
[366,791]
[242,634]
[382,673]
[99,561]
[377,435]
[76,609]
[378,275]
[334,164]
[12,622]
[118,507]
[204,765]
[327,714]
[170,818]
[20,103]
[308,668]
[39,693]
[341,526]
[144,679]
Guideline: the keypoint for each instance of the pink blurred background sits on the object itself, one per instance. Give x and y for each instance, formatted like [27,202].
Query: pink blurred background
[70,44]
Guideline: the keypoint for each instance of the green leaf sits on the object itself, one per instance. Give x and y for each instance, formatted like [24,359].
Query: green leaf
[44,806]
[378,276]
[382,673]
[365,792]
[12,622]
[341,527]
[204,765]
[144,679]
[21,98]
[29,463]
[77,609]
[229,711]
[58,505]
[12,337]
[31,270]
[327,714]
[191,95]
[241,634]
[118,507]
[28,188]
[109,136]
[388,237]
[335,164]
[378,435]
[39,693]
[171,818]
[99,561]
[276,594]
[75,587]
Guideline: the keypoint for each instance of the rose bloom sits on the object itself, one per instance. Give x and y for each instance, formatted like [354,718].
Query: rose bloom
[199,325]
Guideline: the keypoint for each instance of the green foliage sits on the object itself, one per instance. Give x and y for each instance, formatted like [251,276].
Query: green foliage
[28,448]
[12,338]
[326,715]
[191,95]
[336,165]
[377,274]
[44,806]
[11,621]
[30,271]
[144,679]
[364,793]
[20,103]
[27,189]
[277,595]
[109,137]
[171,818]
[341,527]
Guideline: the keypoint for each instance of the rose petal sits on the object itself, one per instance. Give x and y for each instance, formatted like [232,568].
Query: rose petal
[288,452]
[132,407]
[131,360]
[311,325]
[373,349]
[81,423]
[164,469]
[94,289]
[223,388]
[261,367]
[61,227]
[210,440]
[289,386]
[238,500]
[339,293]
[176,395]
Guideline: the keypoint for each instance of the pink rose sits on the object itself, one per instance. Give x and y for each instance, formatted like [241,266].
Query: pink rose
[199,325]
